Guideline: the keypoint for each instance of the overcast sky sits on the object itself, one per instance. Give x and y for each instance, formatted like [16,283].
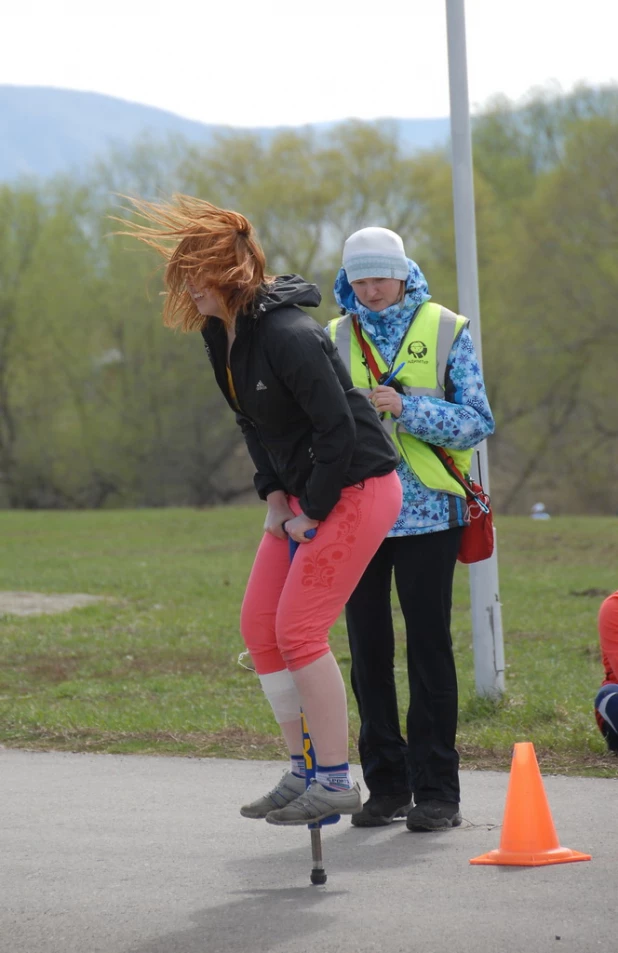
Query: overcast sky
[268,62]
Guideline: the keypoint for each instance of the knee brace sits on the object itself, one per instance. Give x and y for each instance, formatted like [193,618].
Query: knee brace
[282,694]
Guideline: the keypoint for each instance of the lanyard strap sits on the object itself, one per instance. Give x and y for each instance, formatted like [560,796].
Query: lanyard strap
[371,361]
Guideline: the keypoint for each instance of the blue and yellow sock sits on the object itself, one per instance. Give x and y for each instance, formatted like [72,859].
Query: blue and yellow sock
[335,777]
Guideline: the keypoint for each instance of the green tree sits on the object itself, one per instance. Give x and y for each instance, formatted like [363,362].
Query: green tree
[21,217]
[564,282]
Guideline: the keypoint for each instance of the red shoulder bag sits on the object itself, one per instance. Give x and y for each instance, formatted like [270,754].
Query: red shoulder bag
[477,539]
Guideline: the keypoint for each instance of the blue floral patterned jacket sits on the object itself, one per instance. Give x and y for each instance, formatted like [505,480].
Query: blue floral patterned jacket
[460,421]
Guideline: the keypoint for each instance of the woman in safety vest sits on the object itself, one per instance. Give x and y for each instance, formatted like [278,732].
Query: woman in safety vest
[323,464]
[436,399]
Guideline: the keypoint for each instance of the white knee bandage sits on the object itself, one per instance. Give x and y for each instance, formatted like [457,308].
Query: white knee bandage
[282,694]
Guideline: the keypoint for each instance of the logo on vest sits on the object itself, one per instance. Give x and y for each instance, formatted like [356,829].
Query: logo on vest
[417,349]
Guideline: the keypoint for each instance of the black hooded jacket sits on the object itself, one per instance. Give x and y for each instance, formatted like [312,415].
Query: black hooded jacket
[308,430]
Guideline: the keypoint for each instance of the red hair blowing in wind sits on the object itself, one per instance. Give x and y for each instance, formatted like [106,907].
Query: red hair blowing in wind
[205,246]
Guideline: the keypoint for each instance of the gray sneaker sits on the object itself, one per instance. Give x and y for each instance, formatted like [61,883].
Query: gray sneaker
[317,803]
[288,789]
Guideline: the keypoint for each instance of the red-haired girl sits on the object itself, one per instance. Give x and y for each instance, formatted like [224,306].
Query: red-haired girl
[322,460]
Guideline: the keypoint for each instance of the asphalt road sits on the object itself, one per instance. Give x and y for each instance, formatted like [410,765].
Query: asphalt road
[125,854]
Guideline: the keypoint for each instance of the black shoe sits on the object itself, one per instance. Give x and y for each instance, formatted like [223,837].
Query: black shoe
[381,809]
[433,816]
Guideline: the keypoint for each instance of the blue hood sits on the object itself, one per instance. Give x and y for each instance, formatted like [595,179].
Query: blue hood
[417,290]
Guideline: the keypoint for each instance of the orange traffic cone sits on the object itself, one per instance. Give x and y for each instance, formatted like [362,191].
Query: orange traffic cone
[529,837]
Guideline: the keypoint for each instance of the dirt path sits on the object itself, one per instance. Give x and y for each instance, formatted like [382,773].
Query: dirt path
[39,603]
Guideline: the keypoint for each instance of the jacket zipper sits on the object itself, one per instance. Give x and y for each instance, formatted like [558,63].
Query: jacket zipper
[240,409]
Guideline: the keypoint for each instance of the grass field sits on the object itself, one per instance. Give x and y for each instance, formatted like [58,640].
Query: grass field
[152,669]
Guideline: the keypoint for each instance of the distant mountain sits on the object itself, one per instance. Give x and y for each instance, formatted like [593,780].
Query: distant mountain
[44,130]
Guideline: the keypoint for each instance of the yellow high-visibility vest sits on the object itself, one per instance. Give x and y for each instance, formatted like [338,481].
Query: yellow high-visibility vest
[425,350]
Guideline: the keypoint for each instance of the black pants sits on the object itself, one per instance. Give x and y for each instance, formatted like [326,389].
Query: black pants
[428,764]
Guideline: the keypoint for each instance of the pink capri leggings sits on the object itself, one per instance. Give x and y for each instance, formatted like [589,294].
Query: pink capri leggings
[288,609]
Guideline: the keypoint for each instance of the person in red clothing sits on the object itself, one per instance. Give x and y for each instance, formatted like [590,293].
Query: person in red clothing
[606,702]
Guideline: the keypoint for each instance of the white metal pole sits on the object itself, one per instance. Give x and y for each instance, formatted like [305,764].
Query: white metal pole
[484,594]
